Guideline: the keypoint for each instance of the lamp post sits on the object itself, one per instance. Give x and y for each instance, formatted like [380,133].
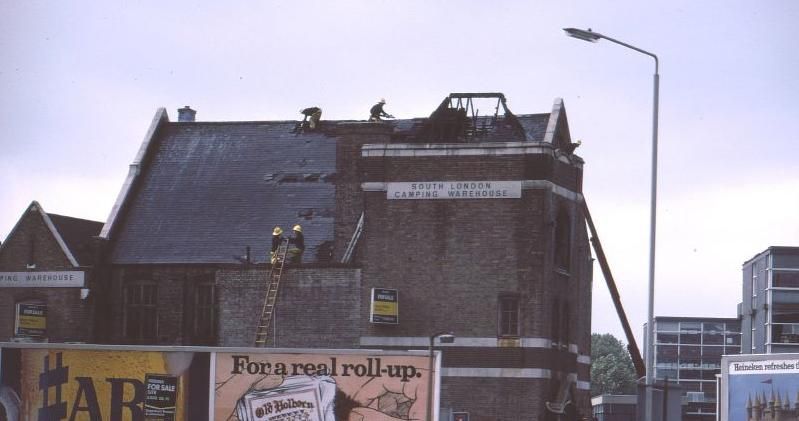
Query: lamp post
[591,36]
[445,338]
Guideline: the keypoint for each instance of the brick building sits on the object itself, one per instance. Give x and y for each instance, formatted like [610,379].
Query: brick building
[474,221]
[46,278]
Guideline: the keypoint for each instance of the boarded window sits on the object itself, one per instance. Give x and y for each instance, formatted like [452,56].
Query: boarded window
[563,240]
[509,315]
[204,313]
[141,312]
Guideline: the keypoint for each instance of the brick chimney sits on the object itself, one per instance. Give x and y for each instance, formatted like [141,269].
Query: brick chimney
[186,114]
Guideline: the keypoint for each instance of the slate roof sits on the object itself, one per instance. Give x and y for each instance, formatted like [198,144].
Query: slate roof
[208,190]
[535,126]
[78,235]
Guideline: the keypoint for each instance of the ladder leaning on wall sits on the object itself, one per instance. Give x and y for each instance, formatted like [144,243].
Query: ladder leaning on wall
[270,301]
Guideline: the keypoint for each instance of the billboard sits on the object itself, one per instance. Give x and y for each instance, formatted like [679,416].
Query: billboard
[51,383]
[321,386]
[143,383]
[752,385]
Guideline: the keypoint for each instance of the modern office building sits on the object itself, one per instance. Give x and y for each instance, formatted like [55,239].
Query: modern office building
[614,407]
[688,351]
[769,309]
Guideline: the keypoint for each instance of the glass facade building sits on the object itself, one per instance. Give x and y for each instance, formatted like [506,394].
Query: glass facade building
[688,351]
[770,307]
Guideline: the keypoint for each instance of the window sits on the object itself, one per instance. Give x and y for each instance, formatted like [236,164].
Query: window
[754,286]
[786,279]
[509,315]
[204,326]
[785,316]
[556,321]
[563,240]
[141,312]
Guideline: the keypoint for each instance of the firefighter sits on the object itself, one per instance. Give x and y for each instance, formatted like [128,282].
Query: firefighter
[314,113]
[377,111]
[297,240]
[277,238]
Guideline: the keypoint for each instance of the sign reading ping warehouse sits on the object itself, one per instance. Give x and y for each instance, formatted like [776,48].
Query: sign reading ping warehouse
[61,279]
[432,190]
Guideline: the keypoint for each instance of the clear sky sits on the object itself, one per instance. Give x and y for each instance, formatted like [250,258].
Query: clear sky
[81,81]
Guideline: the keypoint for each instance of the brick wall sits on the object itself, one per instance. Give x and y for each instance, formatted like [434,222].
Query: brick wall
[451,259]
[492,399]
[68,316]
[316,307]
[349,196]
[175,288]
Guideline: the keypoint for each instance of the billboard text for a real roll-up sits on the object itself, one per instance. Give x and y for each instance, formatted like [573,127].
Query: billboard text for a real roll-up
[320,387]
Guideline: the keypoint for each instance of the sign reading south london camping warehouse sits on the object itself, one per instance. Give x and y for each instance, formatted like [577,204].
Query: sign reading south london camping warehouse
[432,190]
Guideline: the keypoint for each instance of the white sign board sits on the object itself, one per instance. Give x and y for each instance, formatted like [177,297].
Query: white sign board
[433,190]
[62,279]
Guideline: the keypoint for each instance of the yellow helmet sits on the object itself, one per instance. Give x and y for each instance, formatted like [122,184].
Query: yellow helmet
[277,231]
[297,228]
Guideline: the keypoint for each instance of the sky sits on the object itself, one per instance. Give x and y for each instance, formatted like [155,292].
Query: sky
[81,81]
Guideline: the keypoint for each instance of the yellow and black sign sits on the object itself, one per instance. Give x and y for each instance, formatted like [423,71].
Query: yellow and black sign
[31,320]
[385,308]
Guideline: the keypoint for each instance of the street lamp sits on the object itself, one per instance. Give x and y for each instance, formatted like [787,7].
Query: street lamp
[592,36]
[444,338]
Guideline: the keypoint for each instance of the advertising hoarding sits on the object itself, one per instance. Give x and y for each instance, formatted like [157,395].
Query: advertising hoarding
[322,386]
[751,385]
[55,383]
[141,383]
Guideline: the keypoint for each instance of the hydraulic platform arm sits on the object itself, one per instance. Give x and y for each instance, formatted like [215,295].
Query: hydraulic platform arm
[632,348]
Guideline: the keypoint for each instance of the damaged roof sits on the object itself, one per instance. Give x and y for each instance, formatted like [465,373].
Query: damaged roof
[209,190]
[202,192]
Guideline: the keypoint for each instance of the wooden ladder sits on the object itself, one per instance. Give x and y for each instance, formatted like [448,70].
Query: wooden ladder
[270,301]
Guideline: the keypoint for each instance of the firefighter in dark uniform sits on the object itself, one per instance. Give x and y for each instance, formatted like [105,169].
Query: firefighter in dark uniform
[314,113]
[297,245]
[377,111]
